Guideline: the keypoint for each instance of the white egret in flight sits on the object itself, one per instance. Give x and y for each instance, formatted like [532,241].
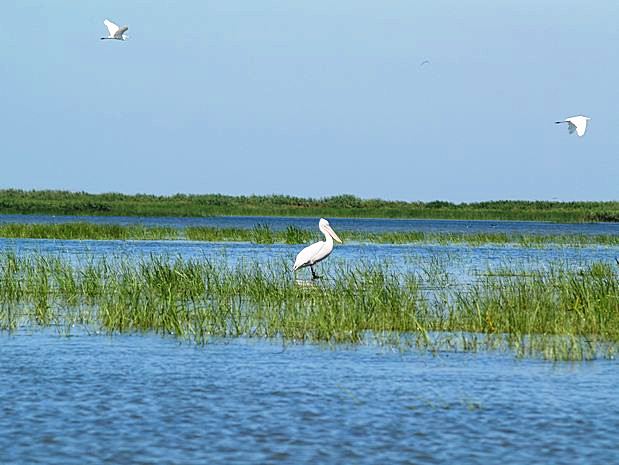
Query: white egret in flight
[318,251]
[576,123]
[116,32]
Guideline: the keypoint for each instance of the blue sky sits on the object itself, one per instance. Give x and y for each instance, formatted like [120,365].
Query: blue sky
[313,98]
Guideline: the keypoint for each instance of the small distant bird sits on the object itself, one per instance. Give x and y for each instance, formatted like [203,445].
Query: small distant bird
[424,62]
[576,123]
[116,32]
[318,251]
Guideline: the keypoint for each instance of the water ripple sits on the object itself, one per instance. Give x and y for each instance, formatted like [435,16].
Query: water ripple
[144,399]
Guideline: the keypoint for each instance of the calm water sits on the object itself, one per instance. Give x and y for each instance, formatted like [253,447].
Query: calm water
[343,224]
[150,400]
[145,399]
[460,260]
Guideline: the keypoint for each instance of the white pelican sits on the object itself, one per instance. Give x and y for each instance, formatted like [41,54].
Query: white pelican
[116,32]
[576,123]
[318,251]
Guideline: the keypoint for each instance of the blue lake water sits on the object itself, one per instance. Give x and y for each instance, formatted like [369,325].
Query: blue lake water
[147,399]
[137,399]
[461,260]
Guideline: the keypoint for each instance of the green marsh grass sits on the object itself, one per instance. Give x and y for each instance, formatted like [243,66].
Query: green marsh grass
[263,234]
[86,231]
[115,204]
[560,314]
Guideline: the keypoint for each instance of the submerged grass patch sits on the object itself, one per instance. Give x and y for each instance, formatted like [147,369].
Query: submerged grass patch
[558,314]
[263,234]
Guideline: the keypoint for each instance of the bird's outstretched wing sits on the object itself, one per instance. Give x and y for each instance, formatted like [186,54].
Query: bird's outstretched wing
[581,128]
[121,31]
[571,127]
[111,27]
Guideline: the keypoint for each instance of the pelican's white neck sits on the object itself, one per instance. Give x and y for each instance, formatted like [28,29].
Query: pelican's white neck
[328,238]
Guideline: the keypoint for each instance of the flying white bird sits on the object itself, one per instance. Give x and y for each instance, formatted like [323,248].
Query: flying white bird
[576,123]
[318,251]
[116,32]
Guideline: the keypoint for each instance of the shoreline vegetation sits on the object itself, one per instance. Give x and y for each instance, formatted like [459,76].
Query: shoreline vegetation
[557,314]
[50,202]
[263,234]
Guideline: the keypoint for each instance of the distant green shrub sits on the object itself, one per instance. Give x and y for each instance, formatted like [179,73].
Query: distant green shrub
[82,203]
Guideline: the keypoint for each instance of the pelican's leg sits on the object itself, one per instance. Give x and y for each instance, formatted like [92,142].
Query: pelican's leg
[314,275]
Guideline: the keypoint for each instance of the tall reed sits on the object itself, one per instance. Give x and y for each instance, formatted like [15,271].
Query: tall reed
[83,203]
[263,234]
[559,314]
